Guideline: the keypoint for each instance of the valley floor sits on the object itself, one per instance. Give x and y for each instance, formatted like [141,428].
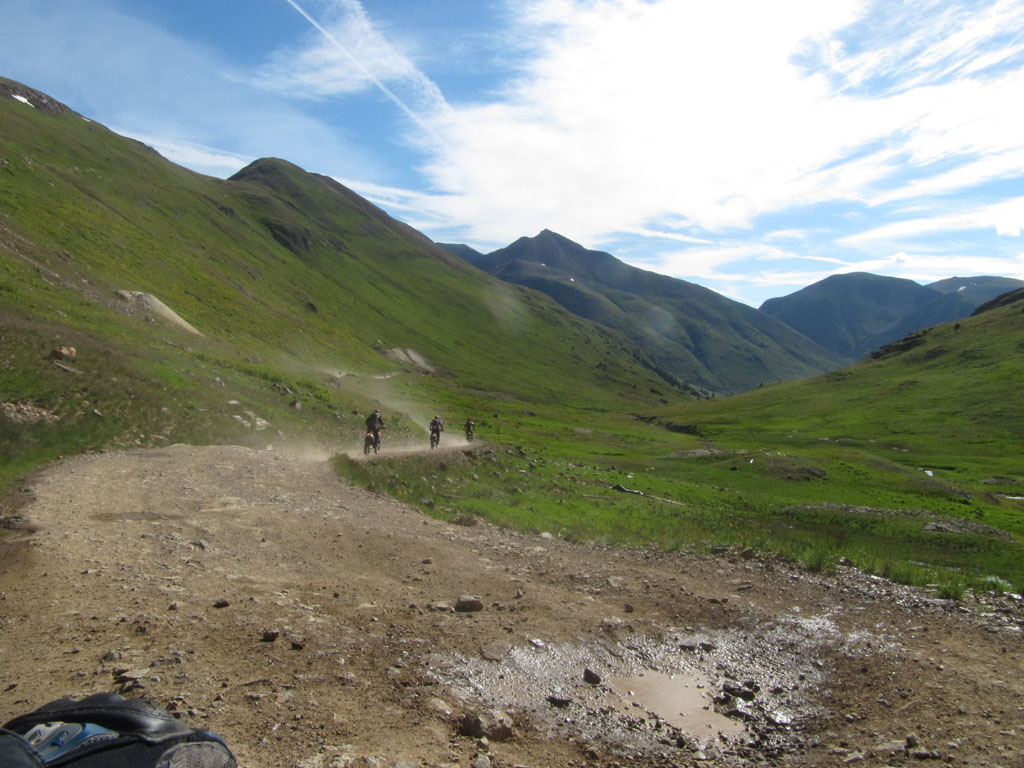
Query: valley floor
[315,624]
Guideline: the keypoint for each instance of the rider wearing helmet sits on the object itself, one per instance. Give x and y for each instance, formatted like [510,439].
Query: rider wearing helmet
[436,428]
[375,423]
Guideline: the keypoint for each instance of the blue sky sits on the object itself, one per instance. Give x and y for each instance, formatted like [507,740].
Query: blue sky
[747,146]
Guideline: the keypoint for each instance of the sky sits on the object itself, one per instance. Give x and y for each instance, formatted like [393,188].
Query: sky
[747,146]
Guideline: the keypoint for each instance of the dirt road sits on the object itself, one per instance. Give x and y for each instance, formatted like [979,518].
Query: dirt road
[315,624]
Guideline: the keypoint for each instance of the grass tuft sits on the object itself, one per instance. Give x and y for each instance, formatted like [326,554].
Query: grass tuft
[952,589]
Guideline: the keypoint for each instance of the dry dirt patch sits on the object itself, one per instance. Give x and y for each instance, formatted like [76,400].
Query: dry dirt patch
[315,624]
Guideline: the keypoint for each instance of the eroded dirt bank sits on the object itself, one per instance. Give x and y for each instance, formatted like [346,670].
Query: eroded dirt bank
[315,624]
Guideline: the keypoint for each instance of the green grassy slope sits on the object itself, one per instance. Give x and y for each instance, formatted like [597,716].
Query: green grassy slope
[290,278]
[940,397]
[932,425]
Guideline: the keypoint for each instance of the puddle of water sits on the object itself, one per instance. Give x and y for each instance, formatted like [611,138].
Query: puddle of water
[682,700]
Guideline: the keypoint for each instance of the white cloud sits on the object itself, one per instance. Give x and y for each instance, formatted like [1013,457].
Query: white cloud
[630,111]
[929,267]
[707,263]
[417,209]
[1005,218]
[637,110]
[786,234]
[664,234]
[321,68]
[912,44]
[208,160]
[998,165]
[346,55]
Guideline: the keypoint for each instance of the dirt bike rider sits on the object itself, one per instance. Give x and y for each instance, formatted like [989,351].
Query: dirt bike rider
[436,428]
[469,428]
[374,424]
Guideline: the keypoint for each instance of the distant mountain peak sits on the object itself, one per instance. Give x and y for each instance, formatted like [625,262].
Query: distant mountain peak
[687,331]
[30,97]
[264,163]
[855,313]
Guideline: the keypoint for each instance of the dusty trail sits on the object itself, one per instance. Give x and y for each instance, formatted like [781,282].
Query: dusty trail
[404,448]
[314,624]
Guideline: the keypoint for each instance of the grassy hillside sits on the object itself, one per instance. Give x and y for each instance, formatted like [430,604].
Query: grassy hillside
[937,398]
[928,429]
[304,295]
[907,465]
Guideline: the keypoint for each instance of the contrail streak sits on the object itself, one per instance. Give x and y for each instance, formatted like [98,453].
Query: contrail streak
[387,91]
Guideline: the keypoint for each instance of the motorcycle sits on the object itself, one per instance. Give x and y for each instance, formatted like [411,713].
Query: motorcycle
[371,442]
[435,438]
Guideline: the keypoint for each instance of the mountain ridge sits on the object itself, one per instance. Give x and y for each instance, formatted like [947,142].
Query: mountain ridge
[285,178]
[855,313]
[691,331]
